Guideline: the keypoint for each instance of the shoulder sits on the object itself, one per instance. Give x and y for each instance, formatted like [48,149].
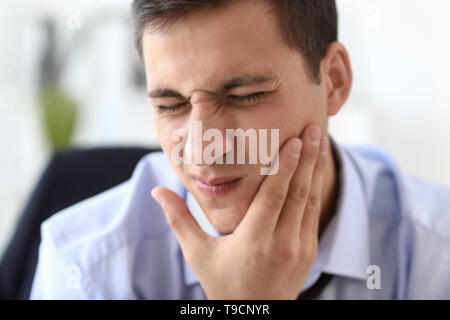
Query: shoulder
[412,217]
[423,202]
[429,205]
[112,218]
[108,229]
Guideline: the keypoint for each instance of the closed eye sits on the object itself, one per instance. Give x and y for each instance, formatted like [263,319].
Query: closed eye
[249,99]
[173,108]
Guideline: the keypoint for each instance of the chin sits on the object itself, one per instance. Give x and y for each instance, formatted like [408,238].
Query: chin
[225,220]
[225,215]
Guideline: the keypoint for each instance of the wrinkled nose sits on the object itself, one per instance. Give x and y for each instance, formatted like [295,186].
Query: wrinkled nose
[206,131]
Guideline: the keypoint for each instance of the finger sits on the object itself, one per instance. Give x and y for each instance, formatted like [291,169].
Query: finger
[188,232]
[300,186]
[310,223]
[262,215]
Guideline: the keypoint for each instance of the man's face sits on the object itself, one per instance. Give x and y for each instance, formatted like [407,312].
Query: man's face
[195,58]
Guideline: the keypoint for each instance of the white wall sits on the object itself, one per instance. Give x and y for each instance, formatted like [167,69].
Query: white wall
[400,52]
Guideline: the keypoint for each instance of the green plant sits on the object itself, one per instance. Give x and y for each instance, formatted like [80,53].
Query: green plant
[59,115]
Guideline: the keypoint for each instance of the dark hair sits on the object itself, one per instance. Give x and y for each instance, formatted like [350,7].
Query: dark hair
[308,26]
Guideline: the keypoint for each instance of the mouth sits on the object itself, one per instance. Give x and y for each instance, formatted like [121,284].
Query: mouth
[217,187]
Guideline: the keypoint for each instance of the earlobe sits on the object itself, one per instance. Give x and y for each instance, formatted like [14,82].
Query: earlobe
[338,77]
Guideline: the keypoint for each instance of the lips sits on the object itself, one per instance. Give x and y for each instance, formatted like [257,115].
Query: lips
[216,181]
[218,186]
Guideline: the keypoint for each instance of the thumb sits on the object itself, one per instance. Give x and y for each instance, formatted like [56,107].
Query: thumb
[188,232]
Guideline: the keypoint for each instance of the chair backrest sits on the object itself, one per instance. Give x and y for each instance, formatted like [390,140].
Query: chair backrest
[70,177]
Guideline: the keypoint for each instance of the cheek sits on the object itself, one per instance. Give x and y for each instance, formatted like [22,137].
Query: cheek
[298,111]
[164,129]
[286,114]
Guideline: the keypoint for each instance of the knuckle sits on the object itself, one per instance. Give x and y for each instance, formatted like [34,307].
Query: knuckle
[313,201]
[275,199]
[171,220]
[312,211]
[299,192]
[286,254]
[286,249]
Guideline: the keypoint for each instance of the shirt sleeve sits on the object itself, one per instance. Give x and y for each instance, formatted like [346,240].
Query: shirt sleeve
[55,278]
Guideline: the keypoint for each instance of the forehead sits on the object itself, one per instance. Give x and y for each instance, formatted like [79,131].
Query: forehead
[199,51]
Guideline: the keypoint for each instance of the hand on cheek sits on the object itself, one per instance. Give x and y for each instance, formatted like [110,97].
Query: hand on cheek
[270,253]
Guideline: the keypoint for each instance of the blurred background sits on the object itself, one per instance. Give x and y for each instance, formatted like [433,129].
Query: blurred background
[70,76]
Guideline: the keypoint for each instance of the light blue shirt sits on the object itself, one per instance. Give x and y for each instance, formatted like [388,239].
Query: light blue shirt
[389,238]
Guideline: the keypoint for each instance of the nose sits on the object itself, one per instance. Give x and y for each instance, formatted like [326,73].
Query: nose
[207,142]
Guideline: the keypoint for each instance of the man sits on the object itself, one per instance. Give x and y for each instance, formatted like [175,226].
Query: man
[225,231]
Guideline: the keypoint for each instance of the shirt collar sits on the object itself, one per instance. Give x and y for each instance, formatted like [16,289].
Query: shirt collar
[343,247]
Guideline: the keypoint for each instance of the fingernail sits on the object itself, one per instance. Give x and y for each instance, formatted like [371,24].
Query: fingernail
[324,146]
[295,148]
[314,136]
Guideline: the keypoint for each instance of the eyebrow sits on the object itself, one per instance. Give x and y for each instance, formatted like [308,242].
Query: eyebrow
[236,82]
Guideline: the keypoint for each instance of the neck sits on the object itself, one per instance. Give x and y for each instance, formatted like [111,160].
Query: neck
[330,190]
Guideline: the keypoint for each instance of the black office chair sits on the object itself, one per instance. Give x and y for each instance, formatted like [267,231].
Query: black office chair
[70,177]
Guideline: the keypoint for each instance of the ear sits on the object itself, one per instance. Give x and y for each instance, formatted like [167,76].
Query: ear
[338,77]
